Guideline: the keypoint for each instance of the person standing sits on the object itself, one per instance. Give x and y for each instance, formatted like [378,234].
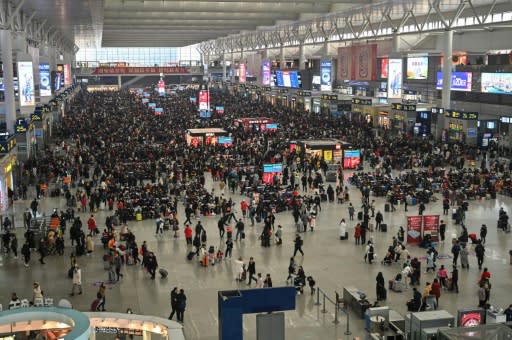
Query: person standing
[34,205]
[455,252]
[483,233]
[174,302]
[443,276]
[268,282]
[101,295]
[251,270]
[370,251]
[25,251]
[152,265]
[291,270]
[298,245]
[481,296]
[188,234]
[455,279]
[342,229]
[351,211]
[77,280]
[421,208]
[42,249]
[220,225]
[14,246]
[229,248]
[436,290]
[181,304]
[380,287]
[279,235]
[240,226]
[357,233]
[480,252]
[259,281]
[378,220]
[117,265]
[442,230]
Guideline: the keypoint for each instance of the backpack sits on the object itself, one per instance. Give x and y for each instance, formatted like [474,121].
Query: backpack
[370,250]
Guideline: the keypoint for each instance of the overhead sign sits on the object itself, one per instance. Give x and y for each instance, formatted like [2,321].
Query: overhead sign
[395,78]
[360,101]
[141,70]
[45,84]
[325,75]
[403,107]
[204,101]
[461,115]
[461,81]
[329,97]
[26,83]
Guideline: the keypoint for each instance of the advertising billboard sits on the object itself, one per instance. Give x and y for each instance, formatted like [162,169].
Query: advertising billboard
[395,78]
[45,85]
[59,77]
[431,226]
[241,73]
[413,229]
[499,83]
[325,75]
[344,63]
[67,74]
[417,68]
[265,73]
[26,81]
[161,88]
[287,79]
[384,68]
[351,159]
[461,81]
[204,101]
[364,62]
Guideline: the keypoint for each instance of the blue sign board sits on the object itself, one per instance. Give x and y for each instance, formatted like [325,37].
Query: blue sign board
[461,81]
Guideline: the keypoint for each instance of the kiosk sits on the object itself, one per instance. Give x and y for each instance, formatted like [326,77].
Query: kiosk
[329,149]
[196,137]
[256,123]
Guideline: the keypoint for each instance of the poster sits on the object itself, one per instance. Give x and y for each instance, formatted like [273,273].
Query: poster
[461,81]
[67,74]
[26,83]
[45,85]
[395,78]
[204,101]
[364,62]
[327,155]
[325,75]
[241,73]
[414,229]
[344,63]
[431,226]
[384,68]
[417,67]
[161,88]
[499,83]
[265,73]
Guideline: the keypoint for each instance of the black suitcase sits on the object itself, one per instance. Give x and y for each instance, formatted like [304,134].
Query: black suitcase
[386,207]
[383,227]
[163,273]
[70,273]
[360,216]
[454,216]
[191,255]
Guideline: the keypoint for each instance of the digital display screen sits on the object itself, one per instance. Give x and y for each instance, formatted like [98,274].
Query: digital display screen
[152,105]
[461,81]
[193,100]
[242,73]
[287,79]
[271,126]
[204,100]
[384,68]
[45,84]
[470,318]
[26,83]
[159,110]
[205,114]
[265,73]
[498,83]
[395,78]
[271,168]
[67,75]
[325,75]
[145,100]
[417,68]
[225,140]
[219,109]
[351,159]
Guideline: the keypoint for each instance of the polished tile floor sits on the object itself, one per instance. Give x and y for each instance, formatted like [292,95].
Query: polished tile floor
[333,263]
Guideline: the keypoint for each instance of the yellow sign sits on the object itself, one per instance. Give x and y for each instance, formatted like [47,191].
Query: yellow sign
[328,155]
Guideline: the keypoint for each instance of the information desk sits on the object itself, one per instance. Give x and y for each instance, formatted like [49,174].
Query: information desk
[352,299]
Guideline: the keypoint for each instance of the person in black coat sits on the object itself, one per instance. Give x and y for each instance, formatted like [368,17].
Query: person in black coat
[181,304]
[174,301]
[380,287]
[151,265]
[251,270]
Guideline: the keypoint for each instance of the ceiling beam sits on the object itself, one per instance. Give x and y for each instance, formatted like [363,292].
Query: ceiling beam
[212,7]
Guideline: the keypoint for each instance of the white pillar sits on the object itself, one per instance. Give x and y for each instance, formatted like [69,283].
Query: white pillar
[447,69]
[232,67]
[396,42]
[119,82]
[282,62]
[146,335]
[10,99]
[302,58]
[224,67]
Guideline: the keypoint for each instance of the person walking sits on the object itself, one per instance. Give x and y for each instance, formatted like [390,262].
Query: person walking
[117,265]
[188,234]
[174,302]
[251,270]
[220,225]
[240,226]
[229,248]
[370,251]
[291,270]
[77,280]
[455,279]
[279,235]
[436,291]
[181,304]
[442,274]
[101,295]
[152,265]
[25,251]
[42,249]
[481,296]
[483,233]
[455,252]
[298,245]
[14,245]
[480,252]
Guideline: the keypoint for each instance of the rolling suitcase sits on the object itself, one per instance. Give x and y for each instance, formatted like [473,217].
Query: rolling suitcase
[190,255]
[111,276]
[94,305]
[383,227]
[204,261]
[163,273]
[360,216]
[386,207]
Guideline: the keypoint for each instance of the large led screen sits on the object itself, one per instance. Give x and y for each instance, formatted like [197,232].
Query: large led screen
[395,78]
[26,81]
[45,84]
[287,79]
[417,68]
[461,81]
[499,83]
[384,68]
[265,73]
[325,75]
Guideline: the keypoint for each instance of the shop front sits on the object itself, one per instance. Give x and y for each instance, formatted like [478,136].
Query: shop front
[303,100]
[208,136]
[329,149]
[423,126]
[7,167]
[329,103]
[460,126]
[403,116]
[383,120]
[364,107]
[25,138]
[282,97]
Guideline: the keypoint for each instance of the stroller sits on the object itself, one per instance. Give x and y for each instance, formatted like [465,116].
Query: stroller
[388,258]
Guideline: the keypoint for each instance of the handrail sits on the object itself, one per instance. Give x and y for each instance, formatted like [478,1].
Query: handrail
[337,307]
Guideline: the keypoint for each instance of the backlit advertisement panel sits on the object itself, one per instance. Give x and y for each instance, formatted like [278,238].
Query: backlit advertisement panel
[45,84]
[67,74]
[265,73]
[26,81]
[161,88]
[204,101]
[461,81]
[287,79]
[417,68]
[384,68]
[395,78]
[325,75]
[241,73]
[499,83]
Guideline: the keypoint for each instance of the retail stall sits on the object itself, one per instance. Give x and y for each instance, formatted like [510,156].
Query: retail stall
[330,149]
[206,136]
[255,124]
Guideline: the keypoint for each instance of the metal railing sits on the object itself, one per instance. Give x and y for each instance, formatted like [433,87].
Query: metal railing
[339,305]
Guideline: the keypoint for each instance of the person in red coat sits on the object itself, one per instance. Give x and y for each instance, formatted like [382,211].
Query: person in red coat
[357,233]
[436,291]
[91,225]
[188,234]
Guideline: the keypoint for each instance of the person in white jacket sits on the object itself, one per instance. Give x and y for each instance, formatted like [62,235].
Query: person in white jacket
[77,280]
[240,269]
[343,229]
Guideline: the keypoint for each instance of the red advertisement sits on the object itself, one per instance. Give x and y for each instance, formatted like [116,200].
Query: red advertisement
[241,73]
[431,226]
[364,62]
[67,75]
[204,101]
[413,229]
[344,63]
[384,68]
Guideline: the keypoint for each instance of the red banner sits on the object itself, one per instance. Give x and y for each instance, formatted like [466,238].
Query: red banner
[414,229]
[241,73]
[204,101]
[344,63]
[431,226]
[364,62]
[140,70]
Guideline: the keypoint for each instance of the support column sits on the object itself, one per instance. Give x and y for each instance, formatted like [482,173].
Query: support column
[224,67]
[396,42]
[232,67]
[241,61]
[302,57]
[447,69]
[326,48]
[146,335]
[10,99]
[119,82]
[282,62]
